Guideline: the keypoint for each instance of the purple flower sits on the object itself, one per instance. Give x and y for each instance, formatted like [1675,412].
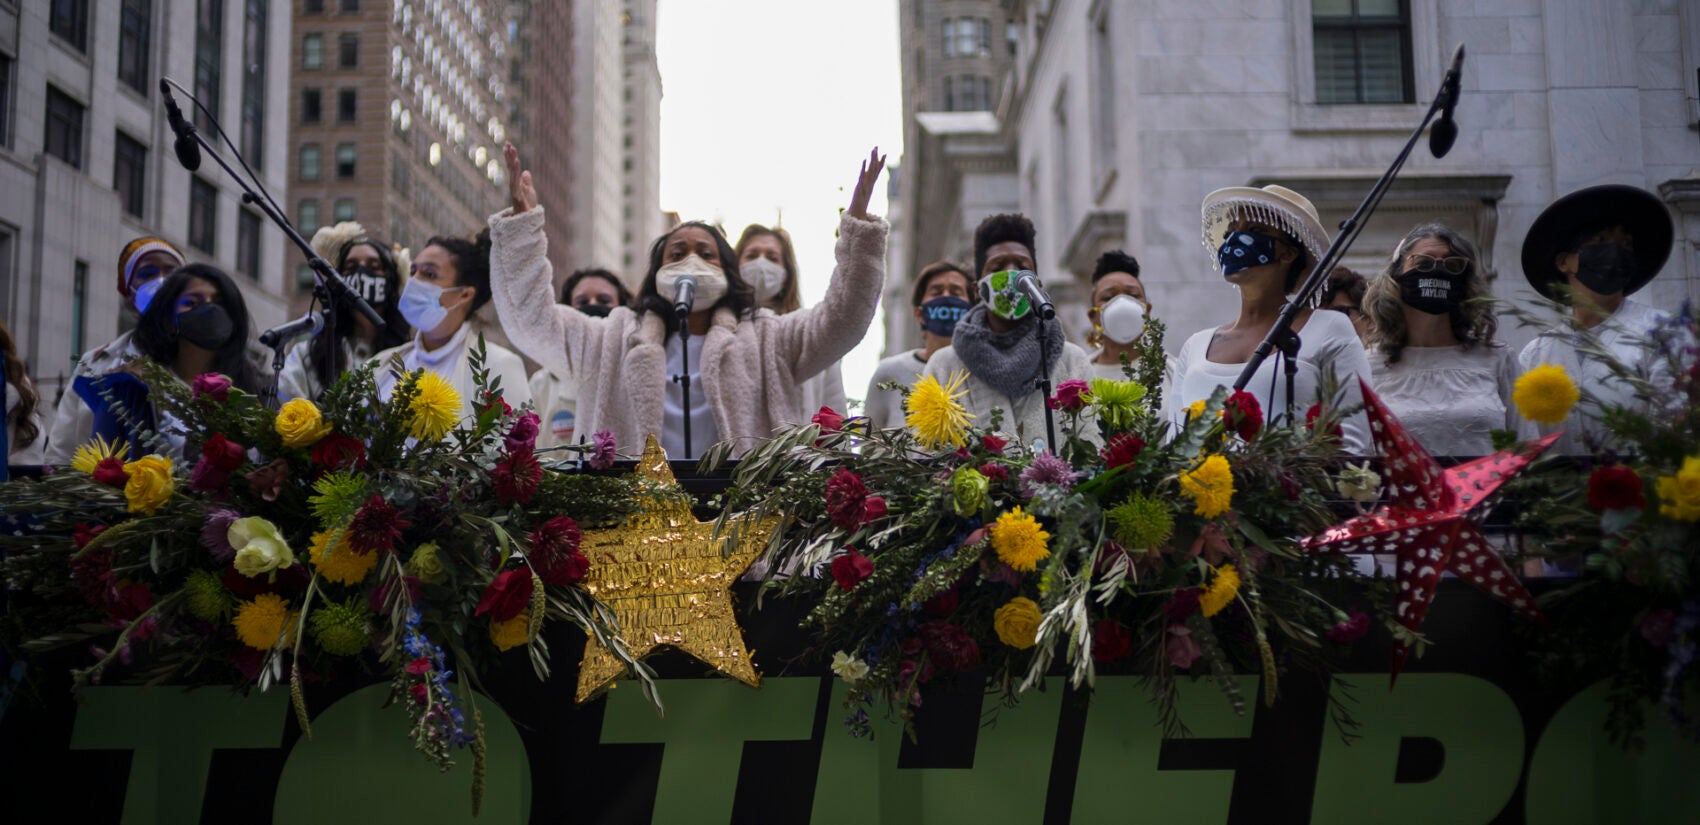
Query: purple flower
[523,434]
[1047,470]
[602,457]
[215,536]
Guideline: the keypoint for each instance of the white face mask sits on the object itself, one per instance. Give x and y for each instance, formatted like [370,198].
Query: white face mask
[767,277]
[1123,319]
[711,282]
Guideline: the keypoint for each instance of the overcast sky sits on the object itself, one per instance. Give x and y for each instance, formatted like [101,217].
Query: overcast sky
[768,108]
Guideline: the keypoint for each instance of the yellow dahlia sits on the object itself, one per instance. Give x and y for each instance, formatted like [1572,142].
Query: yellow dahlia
[1210,485]
[90,455]
[1545,394]
[1017,623]
[511,633]
[1679,495]
[1221,591]
[934,414]
[150,485]
[334,560]
[435,407]
[1019,541]
[262,622]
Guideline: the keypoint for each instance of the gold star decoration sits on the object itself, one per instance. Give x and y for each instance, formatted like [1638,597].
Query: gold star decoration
[667,578]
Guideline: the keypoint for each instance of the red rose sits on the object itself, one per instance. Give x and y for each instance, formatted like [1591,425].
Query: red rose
[994,472]
[1110,641]
[942,605]
[206,477]
[1349,630]
[1243,414]
[1615,488]
[507,596]
[993,444]
[339,452]
[949,645]
[828,420]
[224,454]
[850,569]
[873,508]
[1314,413]
[554,552]
[1071,396]
[846,499]
[516,476]
[111,472]
[210,386]
[1122,449]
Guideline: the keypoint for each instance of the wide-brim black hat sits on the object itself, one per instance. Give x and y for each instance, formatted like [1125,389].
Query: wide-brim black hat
[1598,207]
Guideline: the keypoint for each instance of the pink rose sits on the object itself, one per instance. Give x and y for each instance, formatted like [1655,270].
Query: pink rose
[210,386]
[1071,396]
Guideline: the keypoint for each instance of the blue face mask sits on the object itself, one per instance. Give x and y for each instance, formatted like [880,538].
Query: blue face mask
[939,316]
[1244,250]
[422,305]
[143,294]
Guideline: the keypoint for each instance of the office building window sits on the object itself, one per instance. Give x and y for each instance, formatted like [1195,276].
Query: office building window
[209,58]
[345,160]
[313,6]
[948,28]
[344,210]
[70,20]
[312,106]
[203,216]
[309,165]
[313,51]
[79,306]
[248,242]
[350,6]
[133,21]
[64,138]
[348,50]
[967,93]
[129,173]
[254,83]
[1363,51]
[307,217]
[345,105]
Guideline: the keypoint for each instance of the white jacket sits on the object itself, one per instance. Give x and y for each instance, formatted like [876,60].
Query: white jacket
[450,361]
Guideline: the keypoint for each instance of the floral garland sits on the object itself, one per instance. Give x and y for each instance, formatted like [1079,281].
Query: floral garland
[432,547]
[945,547]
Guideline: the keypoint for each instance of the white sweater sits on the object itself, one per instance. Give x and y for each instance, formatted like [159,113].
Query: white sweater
[450,361]
[1023,417]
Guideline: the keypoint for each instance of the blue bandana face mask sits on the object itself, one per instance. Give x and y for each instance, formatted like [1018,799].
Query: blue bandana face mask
[1244,250]
[939,316]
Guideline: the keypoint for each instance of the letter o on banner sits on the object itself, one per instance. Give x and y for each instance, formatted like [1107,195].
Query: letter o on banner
[1577,775]
[358,769]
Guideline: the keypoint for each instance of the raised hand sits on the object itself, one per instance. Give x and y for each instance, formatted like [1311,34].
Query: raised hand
[524,195]
[871,169]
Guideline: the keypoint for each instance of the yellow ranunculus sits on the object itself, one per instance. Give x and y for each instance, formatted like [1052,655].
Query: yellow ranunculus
[1017,622]
[1545,394]
[260,548]
[300,424]
[150,485]
[1679,495]
[511,633]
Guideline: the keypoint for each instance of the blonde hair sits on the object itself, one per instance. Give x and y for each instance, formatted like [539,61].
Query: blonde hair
[1472,320]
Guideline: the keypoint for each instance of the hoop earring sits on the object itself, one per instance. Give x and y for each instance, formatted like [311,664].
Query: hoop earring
[1095,338]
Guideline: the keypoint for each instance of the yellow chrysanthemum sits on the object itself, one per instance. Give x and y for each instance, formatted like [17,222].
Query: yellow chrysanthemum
[91,454]
[334,560]
[1210,485]
[1221,591]
[1019,541]
[1017,622]
[435,407]
[260,623]
[1545,394]
[511,633]
[933,413]
[1196,409]
[150,485]
[1679,495]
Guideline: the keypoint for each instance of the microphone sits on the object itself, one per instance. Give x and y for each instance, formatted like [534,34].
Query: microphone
[1028,283]
[188,150]
[310,324]
[1445,131]
[684,294]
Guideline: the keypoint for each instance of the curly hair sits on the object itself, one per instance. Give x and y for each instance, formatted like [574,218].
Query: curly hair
[1115,260]
[996,229]
[1472,320]
[18,380]
[472,263]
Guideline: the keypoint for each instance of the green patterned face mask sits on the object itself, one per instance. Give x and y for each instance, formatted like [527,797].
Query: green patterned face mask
[1002,297]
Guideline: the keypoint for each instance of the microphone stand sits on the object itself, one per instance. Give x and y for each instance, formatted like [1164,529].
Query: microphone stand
[330,287]
[1044,383]
[684,377]
[1281,335]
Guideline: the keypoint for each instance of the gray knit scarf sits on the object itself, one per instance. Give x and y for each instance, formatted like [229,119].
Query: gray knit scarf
[1008,361]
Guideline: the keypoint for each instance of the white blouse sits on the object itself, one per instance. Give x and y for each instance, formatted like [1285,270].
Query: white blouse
[1623,335]
[1451,399]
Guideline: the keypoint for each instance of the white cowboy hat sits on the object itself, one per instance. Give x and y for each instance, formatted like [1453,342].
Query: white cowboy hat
[1276,206]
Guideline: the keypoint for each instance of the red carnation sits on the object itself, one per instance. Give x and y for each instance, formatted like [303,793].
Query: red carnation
[339,452]
[1350,630]
[1315,412]
[1110,641]
[376,527]
[828,420]
[1615,488]
[850,569]
[993,444]
[554,552]
[1243,414]
[507,596]
[1071,396]
[1122,449]
[517,475]
[846,499]
[110,471]
[949,645]
[994,472]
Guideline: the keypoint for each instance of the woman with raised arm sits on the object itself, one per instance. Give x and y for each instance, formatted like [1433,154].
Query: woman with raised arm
[746,364]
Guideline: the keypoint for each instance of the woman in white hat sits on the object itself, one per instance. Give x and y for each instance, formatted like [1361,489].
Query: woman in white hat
[1264,242]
